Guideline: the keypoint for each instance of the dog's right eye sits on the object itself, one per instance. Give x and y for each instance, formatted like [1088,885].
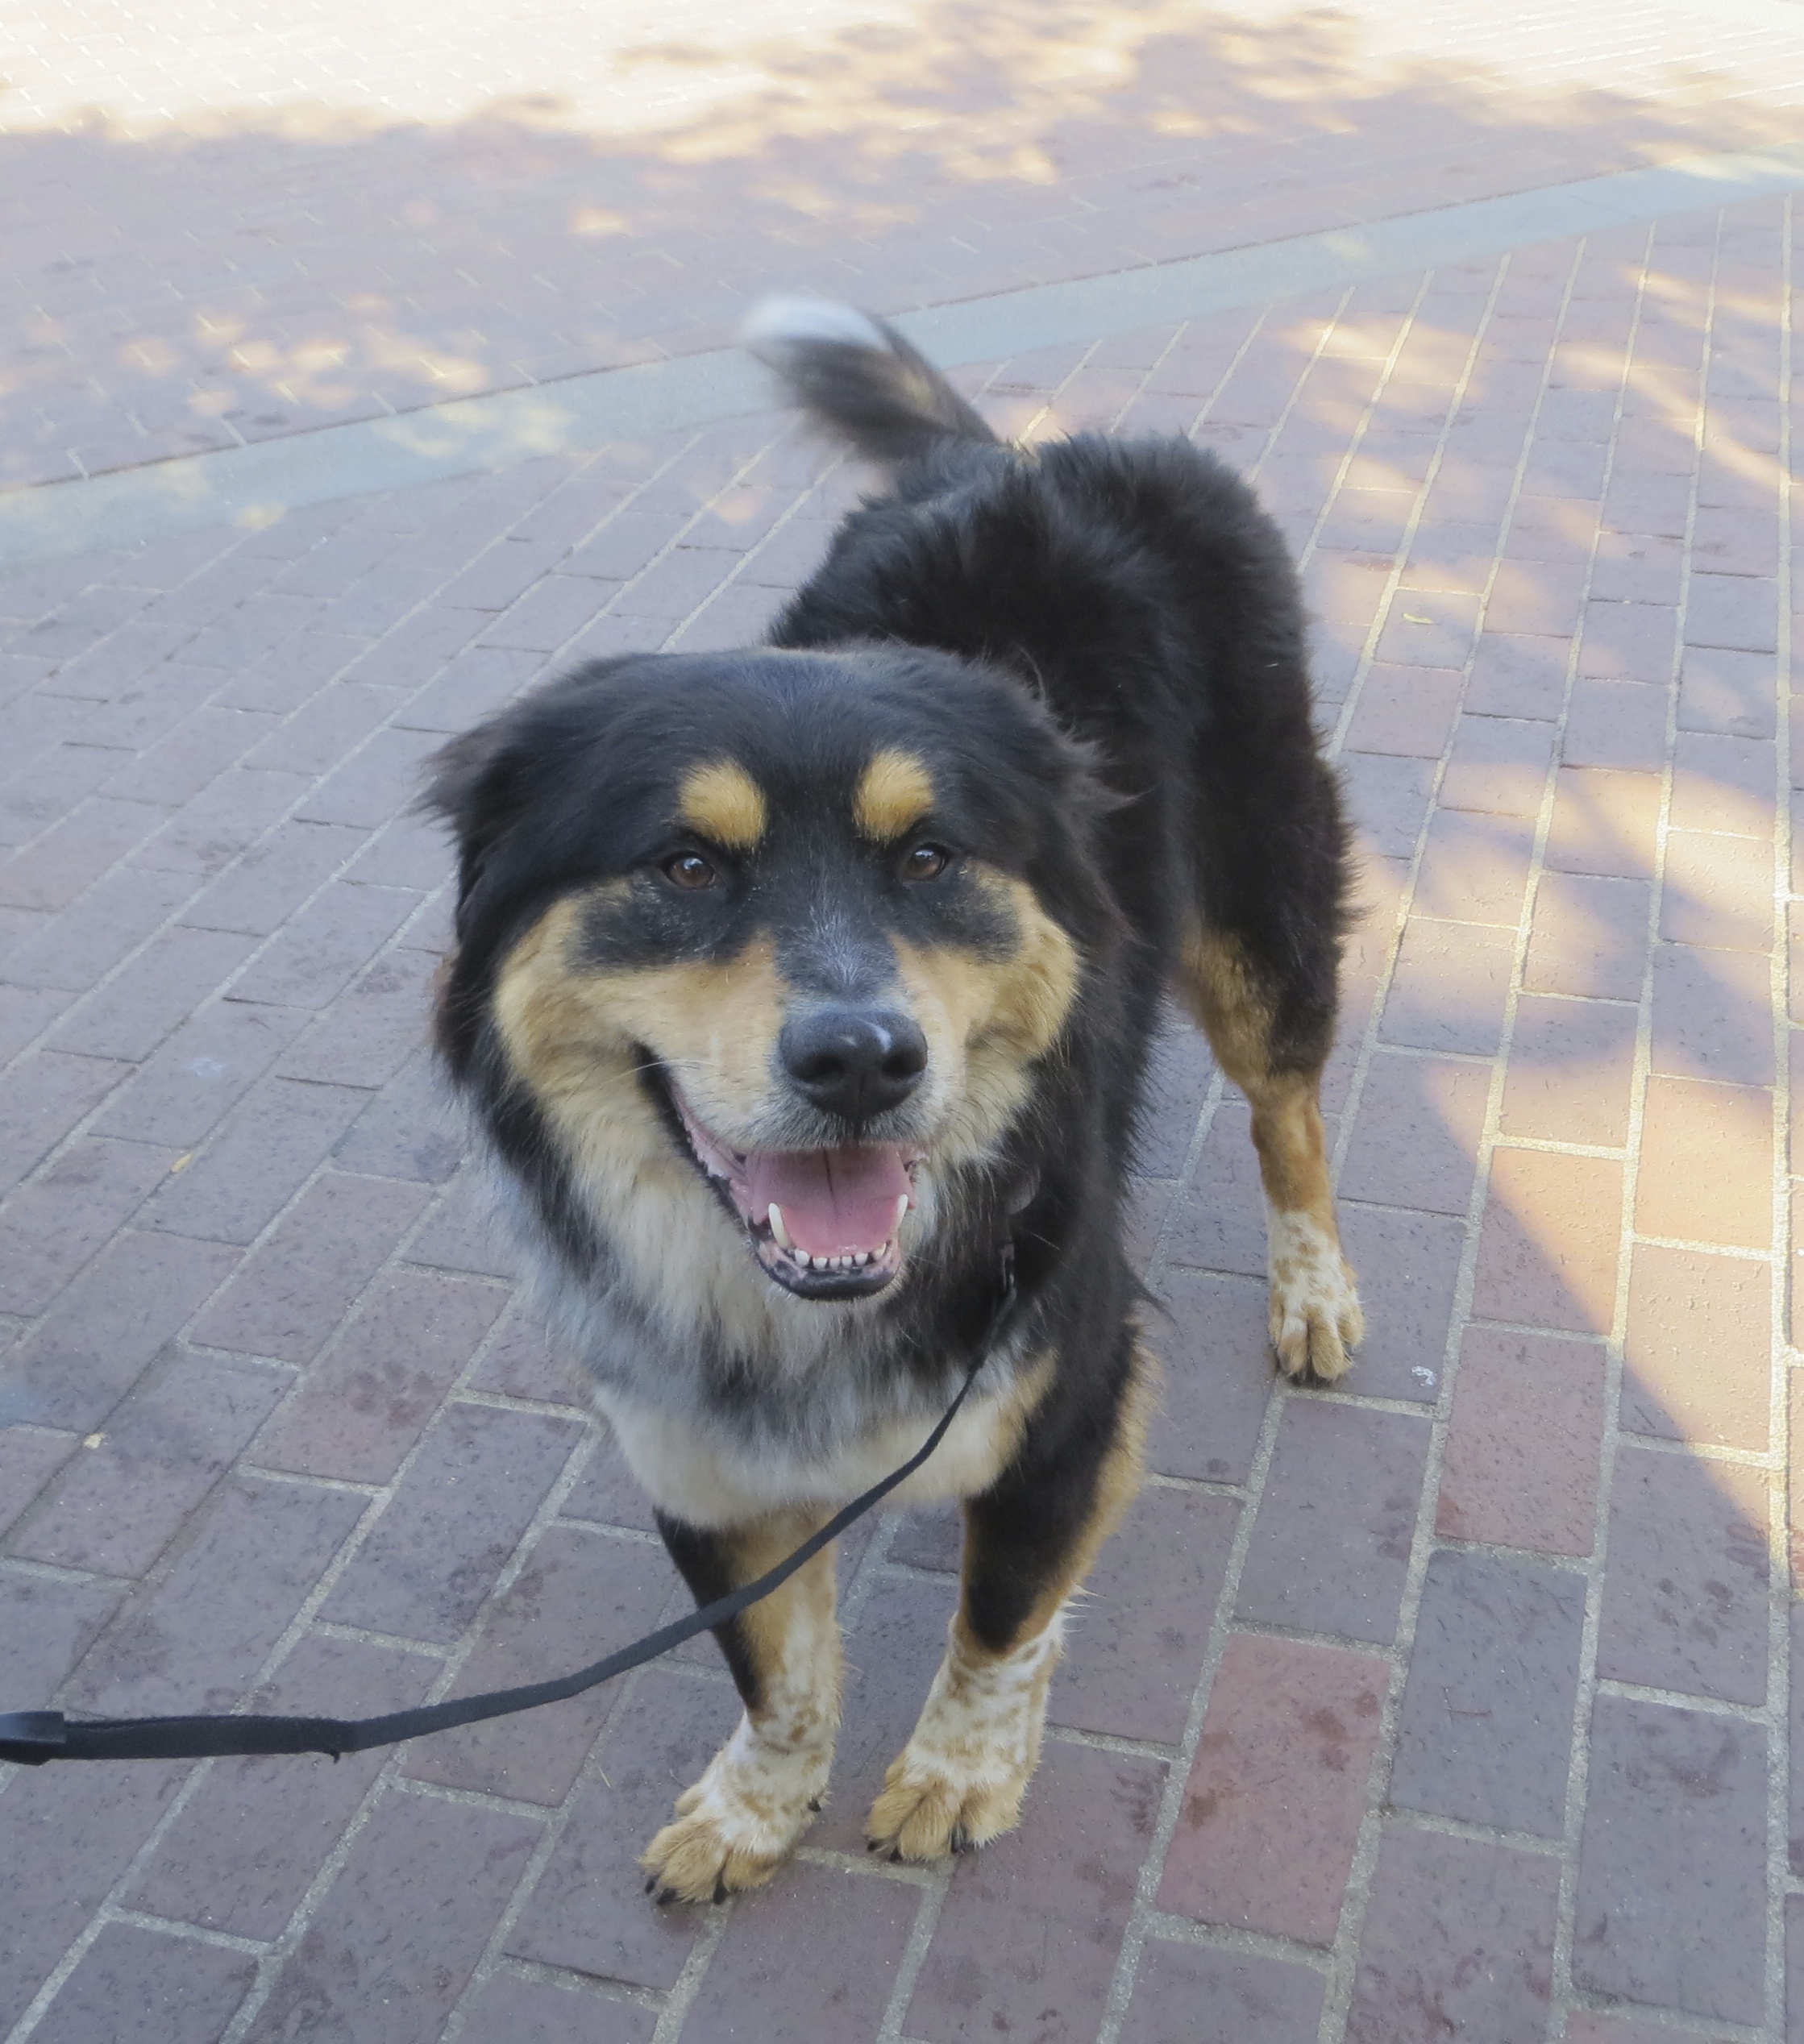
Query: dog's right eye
[689,870]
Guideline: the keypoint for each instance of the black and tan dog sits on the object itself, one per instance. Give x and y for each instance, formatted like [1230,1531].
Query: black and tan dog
[792,984]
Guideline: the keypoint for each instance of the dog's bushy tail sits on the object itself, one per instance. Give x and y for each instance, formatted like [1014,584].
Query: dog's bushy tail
[857,376]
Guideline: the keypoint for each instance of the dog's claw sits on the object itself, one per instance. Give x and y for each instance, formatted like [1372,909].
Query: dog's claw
[719,1888]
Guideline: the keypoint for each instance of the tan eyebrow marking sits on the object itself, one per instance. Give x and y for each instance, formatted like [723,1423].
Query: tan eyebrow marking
[722,803]
[895,794]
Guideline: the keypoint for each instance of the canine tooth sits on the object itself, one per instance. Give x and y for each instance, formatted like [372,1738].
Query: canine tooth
[901,1208]
[777,1227]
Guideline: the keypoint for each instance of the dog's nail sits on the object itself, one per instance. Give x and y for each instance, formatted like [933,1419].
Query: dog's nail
[814,1805]
[896,1857]
[719,1888]
[665,1897]
[873,1845]
[650,1882]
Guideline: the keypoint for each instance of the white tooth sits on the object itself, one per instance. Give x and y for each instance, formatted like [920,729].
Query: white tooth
[901,1207]
[862,1259]
[777,1227]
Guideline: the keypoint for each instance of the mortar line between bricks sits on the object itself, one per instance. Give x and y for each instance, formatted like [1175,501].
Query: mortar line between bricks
[1586,1690]
[1223,1623]
[1136,1749]
[1745,1458]
[1165,1928]
[687,1985]
[54,1572]
[1571,1564]
[1745,1713]
[1734,1252]
[1329,324]
[1342,1975]
[363,1635]
[1196,1486]
[599,1987]
[1401,1816]
[1368,1401]
[1025,436]
[867,1867]
[629,1536]
[444,1792]
[191,1934]
[1779,1591]
[1177,1773]
[1671,2022]
[914,1954]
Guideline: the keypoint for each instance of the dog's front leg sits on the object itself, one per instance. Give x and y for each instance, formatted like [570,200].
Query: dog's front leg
[1029,1541]
[739,1822]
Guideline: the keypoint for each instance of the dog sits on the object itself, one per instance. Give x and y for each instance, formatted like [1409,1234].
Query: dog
[793,985]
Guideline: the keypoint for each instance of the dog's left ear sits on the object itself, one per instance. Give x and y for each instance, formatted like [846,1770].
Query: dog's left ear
[477,784]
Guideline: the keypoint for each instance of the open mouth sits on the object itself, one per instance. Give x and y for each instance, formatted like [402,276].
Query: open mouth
[825,1224]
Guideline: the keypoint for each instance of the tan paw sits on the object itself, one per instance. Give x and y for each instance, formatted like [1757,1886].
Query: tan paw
[1316,1316]
[926,1812]
[736,1826]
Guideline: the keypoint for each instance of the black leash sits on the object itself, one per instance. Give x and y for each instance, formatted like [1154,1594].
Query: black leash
[31,1737]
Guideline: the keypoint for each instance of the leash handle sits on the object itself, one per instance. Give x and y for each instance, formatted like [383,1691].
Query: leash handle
[30,1738]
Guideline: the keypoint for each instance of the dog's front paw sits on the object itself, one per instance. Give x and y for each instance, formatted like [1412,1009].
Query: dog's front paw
[928,1808]
[1316,1315]
[960,1780]
[738,1823]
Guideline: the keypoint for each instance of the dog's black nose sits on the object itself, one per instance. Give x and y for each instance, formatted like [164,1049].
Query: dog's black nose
[855,1062]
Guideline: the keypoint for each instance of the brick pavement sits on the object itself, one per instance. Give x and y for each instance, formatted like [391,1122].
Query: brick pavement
[219,233]
[1454,1702]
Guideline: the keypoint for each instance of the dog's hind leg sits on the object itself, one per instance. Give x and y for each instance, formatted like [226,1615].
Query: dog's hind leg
[740,1822]
[1316,1315]
[1029,1541]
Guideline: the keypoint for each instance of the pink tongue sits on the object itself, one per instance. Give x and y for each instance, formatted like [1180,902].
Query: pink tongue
[834,1202]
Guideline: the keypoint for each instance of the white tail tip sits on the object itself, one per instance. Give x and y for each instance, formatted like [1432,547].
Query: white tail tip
[774,326]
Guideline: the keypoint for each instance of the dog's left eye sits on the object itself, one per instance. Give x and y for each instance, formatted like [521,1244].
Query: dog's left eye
[690,870]
[925,862]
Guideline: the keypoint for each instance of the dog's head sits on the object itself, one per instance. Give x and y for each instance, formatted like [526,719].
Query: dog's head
[799,925]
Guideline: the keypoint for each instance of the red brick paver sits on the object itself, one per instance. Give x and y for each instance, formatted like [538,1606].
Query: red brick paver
[1452,1702]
